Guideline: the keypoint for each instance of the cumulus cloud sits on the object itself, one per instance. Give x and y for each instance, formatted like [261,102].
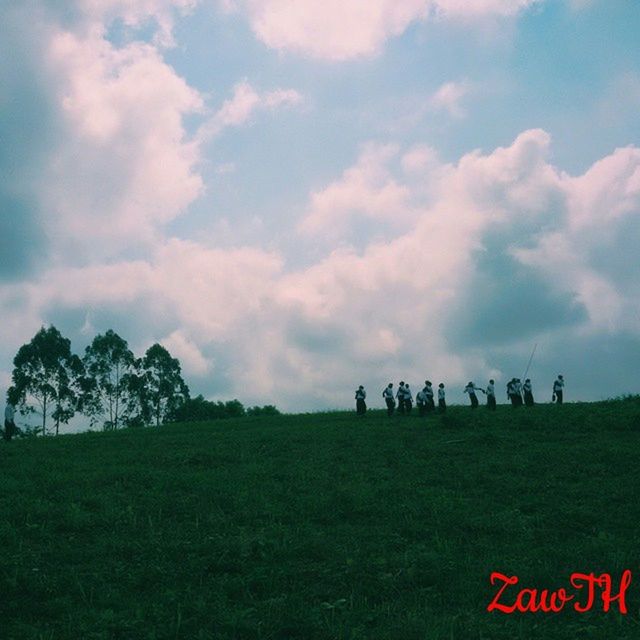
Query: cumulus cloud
[367,190]
[335,30]
[448,98]
[243,104]
[126,165]
[135,14]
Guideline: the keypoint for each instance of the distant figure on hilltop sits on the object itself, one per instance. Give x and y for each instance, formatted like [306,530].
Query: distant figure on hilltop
[428,389]
[408,399]
[491,396]
[9,423]
[421,401]
[558,387]
[528,393]
[387,394]
[361,406]
[400,397]
[442,403]
[518,391]
[513,391]
[471,390]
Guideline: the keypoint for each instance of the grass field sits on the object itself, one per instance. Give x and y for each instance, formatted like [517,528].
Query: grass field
[321,526]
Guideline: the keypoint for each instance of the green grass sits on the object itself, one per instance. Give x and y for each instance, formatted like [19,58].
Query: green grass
[320,526]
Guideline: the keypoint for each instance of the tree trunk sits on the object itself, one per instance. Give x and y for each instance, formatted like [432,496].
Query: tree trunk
[44,416]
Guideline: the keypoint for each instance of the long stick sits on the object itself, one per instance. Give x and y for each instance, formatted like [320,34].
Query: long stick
[524,376]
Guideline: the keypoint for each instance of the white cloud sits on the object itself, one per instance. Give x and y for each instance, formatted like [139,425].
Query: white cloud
[245,102]
[191,359]
[366,190]
[135,13]
[337,30]
[125,165]
[448,98]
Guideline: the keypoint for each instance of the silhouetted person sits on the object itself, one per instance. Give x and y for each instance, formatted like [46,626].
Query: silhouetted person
[387,394]
[442,403]
[400,397]
[558,387]
[408,398]
[421,402]
[428,389]
[518,390]
[471,390]
[361,405]
[513,393]
[9,423]
[491,396]
[528,393]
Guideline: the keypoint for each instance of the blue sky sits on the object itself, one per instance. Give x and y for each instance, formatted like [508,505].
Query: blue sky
[299,197]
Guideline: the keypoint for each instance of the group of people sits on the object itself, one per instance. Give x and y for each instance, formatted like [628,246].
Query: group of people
[517,392]
[425,398]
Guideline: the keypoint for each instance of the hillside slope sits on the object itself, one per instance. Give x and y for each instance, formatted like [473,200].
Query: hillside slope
[321,526]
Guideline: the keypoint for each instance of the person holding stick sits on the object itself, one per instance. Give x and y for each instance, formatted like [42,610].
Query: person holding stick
[528,393]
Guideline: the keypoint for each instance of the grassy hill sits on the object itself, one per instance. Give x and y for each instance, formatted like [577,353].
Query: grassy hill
[321,526]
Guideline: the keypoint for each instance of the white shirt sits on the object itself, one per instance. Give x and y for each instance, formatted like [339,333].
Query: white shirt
[387,393]
[526,386]
[428,392]
[421,397]
[361,394]
[558,384]
[401,392]
[407,392]
[491,390]
[440,394]
[9,412]
[471,389]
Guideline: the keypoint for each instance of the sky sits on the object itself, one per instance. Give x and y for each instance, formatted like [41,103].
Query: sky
[296,197]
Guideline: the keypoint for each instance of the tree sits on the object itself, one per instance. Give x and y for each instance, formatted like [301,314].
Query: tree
[163,389]
[46,374]
[108,364]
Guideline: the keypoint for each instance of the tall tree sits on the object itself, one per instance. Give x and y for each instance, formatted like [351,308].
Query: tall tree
[163,390]
[46,378]
[108,363]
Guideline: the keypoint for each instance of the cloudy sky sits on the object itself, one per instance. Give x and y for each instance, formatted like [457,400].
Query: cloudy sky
[299,196]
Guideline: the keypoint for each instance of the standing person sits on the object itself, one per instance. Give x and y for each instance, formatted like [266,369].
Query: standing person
[361,405]
[421,402]
[400,397]
[387,394]
[471,390]
[428,389]
[518,391]
[558,387]
[528,392]
[511,392]
[9,416]
[442,404]
[491,396]
[408,399]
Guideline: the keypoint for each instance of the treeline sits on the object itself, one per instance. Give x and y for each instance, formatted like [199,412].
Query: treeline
[108,385]
[198,409]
